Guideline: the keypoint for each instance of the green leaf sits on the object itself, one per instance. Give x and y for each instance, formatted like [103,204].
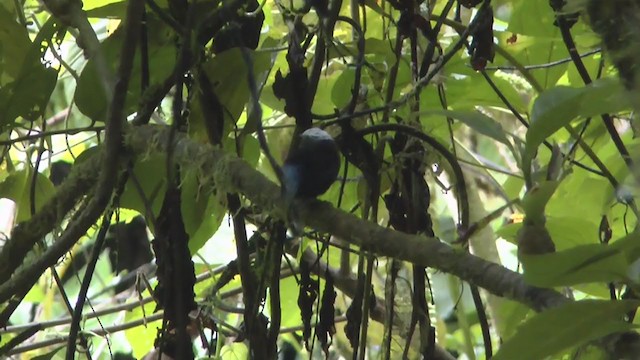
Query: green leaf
[511,314]
[373,5]
[472,91]
[523,23]
[14,46]
[537,198]
[591,192]
[578,265]
[289,302]
[529,50]
[141,338]
[50,355]
[90,94]
[566,231]
[90,5]
[228,74]
[477,121]
[201,212]
[323,101]
[566,326]
[552,110]
[115,10]
[557,107]
[18,187]
[251,150]
[235,351]
[629,245]
[28,95]
[146,187]
[342,88]
[603,96]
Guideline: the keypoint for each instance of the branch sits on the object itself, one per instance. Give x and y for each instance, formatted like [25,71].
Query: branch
[232,174]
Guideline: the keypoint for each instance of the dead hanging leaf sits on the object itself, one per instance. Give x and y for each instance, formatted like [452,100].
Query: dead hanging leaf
[481,48]
[326,328]
[354,317]
[307,295]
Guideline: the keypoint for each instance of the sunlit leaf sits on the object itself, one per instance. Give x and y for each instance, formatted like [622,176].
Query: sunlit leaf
[477,121]
[201,211]
[235,351]
[552,110]
[141,338]
[578,265]
[20,188]
[228,74]
[49,355]
[342,88]
[27,96]
[90,93]
[537,198]
[523,23]
[566,326]
[14,46]
[145,190]
[473,90]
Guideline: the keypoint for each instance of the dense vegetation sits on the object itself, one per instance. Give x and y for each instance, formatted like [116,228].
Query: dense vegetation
[485,205]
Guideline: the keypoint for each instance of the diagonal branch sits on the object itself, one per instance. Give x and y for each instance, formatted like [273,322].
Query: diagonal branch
[232,174]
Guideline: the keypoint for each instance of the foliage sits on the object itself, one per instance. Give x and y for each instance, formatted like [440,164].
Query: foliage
[498,128]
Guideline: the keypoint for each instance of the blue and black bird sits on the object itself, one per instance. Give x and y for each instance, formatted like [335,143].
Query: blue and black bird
[312,167]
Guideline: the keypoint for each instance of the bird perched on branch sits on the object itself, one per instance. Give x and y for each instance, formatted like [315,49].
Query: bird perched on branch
[311,167]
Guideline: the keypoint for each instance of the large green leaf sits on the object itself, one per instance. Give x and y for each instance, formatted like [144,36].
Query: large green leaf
[564,327]
[511,313]
[27,96]
[18,186]
[552,110]
[558,106]
[606,95]
[201,211]
[342,88]
[90,94]
[146,187]
[14,46]
[523,23]
[527,50]
[473,91]
[228,74]
[566,231]
[141,338]
[235,351]
[534,40]
[49,355]
[477,121]
[578,265]
[536,199]
[289,300]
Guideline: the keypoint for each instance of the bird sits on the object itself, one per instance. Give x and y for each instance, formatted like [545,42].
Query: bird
[534,239]
[309,170]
